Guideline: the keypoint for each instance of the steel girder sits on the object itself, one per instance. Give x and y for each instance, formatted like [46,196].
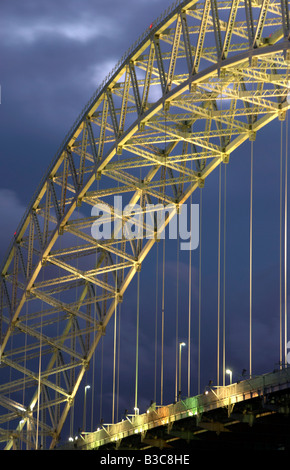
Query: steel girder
[204,78]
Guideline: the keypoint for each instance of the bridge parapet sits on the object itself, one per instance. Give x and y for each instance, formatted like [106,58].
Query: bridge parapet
[212,399]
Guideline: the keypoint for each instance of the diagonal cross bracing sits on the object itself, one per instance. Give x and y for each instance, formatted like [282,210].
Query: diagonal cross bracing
[206,82]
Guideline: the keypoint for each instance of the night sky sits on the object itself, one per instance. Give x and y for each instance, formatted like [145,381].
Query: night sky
[53,57]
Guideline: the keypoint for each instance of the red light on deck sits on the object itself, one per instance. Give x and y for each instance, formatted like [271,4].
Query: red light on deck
[151,25]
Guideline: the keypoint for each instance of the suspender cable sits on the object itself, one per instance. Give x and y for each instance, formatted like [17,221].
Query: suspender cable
[25,359]
[118,374]
[163,279]
[177,315]
[115,399]
[39,374]
[114,361]
[219,280]
[162,326]
[224,277]
[119,323]
[71,377]
[219,262]
[189,312]
[280,254]
[94,355]
[251,264]
[118,362]
[39,387]
[101,381]
[115,343]
[93,370]
[137,342]
[199,288]
[285,241]
[189,305]
[156,324]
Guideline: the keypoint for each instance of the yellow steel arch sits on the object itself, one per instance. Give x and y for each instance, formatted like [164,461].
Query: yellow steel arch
[201,80]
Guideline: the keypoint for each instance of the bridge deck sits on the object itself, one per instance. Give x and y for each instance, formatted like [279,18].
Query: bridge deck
[216,410]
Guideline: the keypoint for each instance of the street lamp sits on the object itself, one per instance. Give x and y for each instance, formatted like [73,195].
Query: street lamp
[180,347]
[230,373]
[85,406]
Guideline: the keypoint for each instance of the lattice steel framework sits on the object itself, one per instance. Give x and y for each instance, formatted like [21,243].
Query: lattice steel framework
[203,79]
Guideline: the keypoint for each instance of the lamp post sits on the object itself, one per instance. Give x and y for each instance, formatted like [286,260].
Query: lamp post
[180,347]
[230,373]
[85,406]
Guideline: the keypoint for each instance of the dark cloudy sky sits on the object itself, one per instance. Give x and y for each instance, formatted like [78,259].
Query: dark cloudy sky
[53,55]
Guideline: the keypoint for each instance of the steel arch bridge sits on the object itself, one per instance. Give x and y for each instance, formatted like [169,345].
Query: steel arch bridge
[202,79]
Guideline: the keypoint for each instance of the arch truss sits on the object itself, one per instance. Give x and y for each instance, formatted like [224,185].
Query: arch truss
[203,79]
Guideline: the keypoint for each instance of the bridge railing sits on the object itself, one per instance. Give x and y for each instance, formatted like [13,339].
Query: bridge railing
[212,398]
[253,387]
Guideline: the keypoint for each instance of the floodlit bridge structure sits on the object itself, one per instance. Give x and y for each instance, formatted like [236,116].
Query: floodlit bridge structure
[202,80]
